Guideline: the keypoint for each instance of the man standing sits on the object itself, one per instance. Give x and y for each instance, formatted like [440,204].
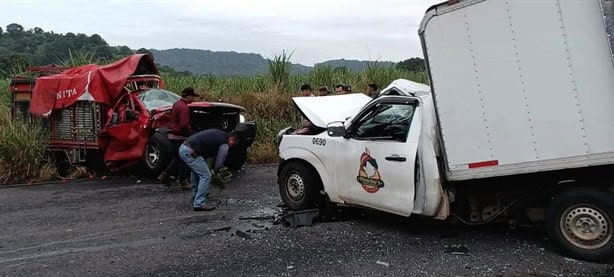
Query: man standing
[339,89]
[323,91]
[195,151]
[343,89]
[306,90]
[180,128]
[372,90]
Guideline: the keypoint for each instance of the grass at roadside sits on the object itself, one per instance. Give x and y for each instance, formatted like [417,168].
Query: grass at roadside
[22,152]
[269,101]
[267,98]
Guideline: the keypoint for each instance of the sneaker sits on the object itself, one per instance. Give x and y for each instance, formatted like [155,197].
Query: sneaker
[206,207]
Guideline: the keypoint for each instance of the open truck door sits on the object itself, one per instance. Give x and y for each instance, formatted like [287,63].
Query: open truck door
[125,136]
[377,160]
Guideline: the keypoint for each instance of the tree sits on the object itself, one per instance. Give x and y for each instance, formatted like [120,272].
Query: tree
[97,40]
[1,32]
[413,64]
[38,30]
[145,51]
[124,51]
[14,28]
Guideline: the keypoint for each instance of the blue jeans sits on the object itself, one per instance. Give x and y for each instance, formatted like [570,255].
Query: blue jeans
[201,175]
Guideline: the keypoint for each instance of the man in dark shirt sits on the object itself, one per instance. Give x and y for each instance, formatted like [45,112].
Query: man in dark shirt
[180,128]
[195,151]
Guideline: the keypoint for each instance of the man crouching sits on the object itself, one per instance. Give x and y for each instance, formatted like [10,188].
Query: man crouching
[195,151]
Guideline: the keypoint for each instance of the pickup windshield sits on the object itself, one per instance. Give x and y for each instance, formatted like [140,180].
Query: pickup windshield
[157,98]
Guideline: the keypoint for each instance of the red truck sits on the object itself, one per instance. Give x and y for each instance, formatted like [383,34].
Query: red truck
[116,114]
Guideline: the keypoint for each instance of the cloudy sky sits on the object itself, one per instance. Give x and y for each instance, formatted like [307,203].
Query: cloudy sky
[314,31]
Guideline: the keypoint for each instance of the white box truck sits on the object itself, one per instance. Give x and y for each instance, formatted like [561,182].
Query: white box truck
[517,124]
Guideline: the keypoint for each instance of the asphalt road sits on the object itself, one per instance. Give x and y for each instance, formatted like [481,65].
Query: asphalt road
[126,227]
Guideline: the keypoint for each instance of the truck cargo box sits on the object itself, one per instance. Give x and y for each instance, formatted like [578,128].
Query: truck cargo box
[521,86]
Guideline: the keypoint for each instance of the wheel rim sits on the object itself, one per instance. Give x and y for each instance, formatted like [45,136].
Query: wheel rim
[586,227]
[295,186]
[153,155]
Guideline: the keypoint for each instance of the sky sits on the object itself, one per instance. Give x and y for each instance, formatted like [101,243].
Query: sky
[313,31]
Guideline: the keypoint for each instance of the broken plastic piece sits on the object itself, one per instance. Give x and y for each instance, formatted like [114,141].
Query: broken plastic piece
[300,218]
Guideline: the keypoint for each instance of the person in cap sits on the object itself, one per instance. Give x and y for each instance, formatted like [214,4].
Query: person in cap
[180,128]
[323,91]
[210,143]
[306,90]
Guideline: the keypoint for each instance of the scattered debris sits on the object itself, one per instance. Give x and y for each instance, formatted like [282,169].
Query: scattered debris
[243,235]
[268,217]
[226,229]
[290,267]
[382,263]
[457,249]
[300,218]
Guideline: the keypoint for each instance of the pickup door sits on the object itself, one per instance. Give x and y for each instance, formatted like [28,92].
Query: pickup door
[124,138]
[376,161]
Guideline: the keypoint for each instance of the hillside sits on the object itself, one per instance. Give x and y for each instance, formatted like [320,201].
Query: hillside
[20,48]
[200,61]
[232,63]
[355,65]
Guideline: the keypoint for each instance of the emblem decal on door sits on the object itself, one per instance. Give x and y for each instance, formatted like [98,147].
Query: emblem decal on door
[368,173]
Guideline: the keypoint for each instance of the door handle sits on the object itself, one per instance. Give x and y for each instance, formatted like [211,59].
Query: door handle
[396,158]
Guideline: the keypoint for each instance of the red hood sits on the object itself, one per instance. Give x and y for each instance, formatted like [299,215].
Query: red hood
[90,82]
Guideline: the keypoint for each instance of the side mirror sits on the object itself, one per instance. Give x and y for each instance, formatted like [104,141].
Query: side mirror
[336,129]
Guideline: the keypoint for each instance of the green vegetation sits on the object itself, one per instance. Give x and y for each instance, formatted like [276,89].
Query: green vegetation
[267,96]
[22,152]
[270,104]
[23,48]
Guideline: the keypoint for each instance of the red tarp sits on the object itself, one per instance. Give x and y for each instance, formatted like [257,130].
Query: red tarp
[91,82]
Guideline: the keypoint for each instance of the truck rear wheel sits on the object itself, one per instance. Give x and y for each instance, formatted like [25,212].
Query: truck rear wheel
[580,222]
[299,186]
[157,153]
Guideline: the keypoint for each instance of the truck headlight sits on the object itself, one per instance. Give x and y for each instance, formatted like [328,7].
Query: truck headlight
[242,118]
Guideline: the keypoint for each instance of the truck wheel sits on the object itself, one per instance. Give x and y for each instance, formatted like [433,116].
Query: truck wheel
[579,221]
[299,186]
[236,159]
[157,153]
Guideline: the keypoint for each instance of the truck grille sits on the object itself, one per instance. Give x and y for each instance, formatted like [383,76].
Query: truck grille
[79,122]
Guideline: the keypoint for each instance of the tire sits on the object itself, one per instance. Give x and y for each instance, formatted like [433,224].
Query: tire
[580,222]
[299,186]
[157,153]
[236,159]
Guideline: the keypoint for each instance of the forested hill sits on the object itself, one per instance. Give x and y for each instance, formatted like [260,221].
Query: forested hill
[21,48]
[217,63]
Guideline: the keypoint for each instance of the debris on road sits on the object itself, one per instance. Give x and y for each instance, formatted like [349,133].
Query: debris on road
[382,263]
[457,249]
[243,235]
[226,229]
[300,218]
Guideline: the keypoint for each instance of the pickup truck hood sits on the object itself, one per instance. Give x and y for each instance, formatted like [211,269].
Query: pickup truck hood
[326,109]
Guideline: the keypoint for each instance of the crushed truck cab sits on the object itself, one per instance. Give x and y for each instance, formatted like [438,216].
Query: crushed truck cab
[116,115]
[374,154]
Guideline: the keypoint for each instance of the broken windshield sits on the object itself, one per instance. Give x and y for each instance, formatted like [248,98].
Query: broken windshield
[157,98]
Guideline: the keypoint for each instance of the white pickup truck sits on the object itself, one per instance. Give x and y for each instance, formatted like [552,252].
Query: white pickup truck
[518,124]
